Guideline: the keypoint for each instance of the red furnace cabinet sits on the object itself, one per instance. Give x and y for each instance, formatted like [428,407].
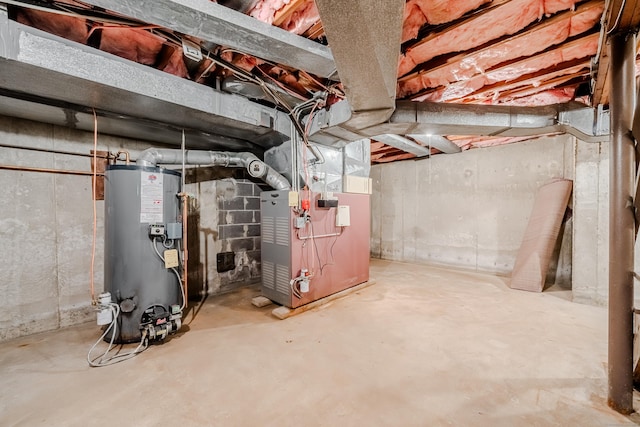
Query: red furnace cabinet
[308,256]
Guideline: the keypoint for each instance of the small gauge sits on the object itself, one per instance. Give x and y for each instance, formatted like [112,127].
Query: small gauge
[257,169]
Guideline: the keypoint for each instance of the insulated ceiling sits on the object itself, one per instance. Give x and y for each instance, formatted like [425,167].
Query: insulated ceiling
[501,52]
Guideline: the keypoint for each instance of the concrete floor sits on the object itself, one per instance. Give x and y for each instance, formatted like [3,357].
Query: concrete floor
[424,346]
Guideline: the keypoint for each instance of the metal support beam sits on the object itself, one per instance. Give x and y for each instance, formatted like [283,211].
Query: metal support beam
[217,24]
[54,80]
[621,223]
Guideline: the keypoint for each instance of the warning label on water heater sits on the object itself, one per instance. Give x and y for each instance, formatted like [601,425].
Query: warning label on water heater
[151,197]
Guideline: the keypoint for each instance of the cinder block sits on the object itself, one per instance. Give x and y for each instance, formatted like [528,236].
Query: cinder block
[252,203]
[237,203]
[281,312]
[244,189]
[253,230]
[242,244]
[253,256]
[231,231]
[261,301]
[241,217]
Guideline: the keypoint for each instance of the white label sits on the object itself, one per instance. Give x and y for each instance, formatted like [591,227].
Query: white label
[151,197]
[191,50]
[171,258]
[293,198]
[104,317]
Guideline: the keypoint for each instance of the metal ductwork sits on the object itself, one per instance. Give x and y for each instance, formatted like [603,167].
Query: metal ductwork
[436,141]
[256,167]
[365,38]
[330,127]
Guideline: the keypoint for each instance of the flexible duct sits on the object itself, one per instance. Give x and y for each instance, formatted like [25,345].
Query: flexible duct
[256,167]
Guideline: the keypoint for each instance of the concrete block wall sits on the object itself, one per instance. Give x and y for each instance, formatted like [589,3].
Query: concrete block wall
[46,223]
[239,230]
[469,209]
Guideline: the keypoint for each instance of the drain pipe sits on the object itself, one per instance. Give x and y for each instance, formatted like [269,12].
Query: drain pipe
[621,223]
[256,167]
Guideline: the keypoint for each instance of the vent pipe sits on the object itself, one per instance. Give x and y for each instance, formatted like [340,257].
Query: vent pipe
[256,167]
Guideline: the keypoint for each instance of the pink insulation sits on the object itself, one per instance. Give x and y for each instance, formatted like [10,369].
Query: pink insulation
[420,12]
[506,19]
[467,142]
[265,10]
[478,62]
[243,62]
[548,97]
[580,49]
[554,6]
[64,26]
[302,19]
[541,236]
[130,43]
[176,65]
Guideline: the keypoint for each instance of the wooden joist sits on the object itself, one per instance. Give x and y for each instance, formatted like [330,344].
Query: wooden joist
[622,15]
[286,11]
[521,62]
[439,62]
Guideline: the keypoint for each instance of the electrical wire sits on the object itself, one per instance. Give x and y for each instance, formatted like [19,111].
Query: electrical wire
[617,21]
[281,86]
[315,244]
[170,38]
[104,359]
[182,296]
[331,89]
[100,26]
[294,289]
[74,11]
[40,8]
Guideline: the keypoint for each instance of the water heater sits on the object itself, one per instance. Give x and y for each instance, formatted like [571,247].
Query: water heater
[142,238]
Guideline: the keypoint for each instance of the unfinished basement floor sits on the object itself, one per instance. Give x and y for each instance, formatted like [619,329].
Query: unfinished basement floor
[424,346]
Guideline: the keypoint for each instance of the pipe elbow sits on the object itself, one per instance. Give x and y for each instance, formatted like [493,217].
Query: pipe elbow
[148,158]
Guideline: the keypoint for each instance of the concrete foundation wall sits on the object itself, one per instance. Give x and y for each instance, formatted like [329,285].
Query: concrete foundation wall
[46,223]
[470,209]
[591,236]
[591,224]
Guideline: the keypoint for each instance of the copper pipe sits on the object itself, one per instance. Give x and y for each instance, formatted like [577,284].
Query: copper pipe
[47,150]
[46,170]
[185,216]
[621,223]
[127,158]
